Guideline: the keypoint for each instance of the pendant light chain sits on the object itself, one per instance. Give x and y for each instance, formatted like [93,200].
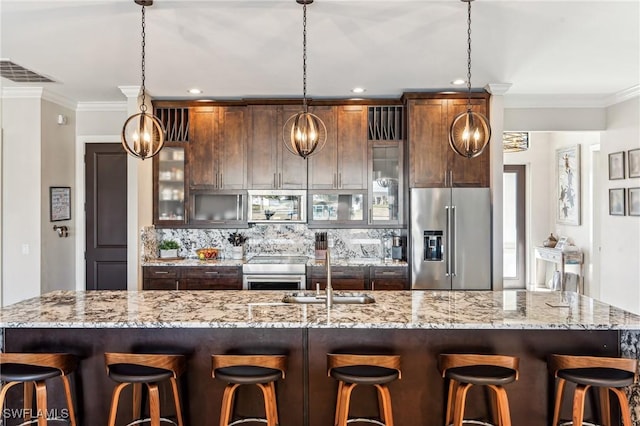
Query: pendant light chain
[304,57]
[469,56]
[143,106]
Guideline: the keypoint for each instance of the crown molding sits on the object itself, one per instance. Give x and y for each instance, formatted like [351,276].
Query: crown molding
[102,106]
[37,93]
[60,100]
[130,91]
[570,101]
[623,95]
[498,89]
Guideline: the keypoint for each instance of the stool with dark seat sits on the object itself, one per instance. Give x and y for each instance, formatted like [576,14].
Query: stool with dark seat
[260,370]
[33,369]
[351,370]
[466,370]
[149,369]
[606,374]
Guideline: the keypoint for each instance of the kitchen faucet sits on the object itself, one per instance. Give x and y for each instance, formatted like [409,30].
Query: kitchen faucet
[329,289]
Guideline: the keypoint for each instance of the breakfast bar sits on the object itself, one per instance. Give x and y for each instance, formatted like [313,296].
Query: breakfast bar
[418,325]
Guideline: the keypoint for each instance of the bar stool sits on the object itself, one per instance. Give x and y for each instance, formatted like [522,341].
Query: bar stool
[149,369]
[260,370]
[33,369]
[607,374]
[351,370]
[466,370]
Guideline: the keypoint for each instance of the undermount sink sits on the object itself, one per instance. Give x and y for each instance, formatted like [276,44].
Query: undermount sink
[338,298]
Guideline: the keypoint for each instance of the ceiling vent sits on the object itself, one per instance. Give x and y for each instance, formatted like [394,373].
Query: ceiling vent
[19,74]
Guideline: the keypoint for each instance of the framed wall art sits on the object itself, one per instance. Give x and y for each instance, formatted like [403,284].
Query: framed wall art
[616,165]
[633,198]
[616,202]
[60,203]
[568,185]
[633,155]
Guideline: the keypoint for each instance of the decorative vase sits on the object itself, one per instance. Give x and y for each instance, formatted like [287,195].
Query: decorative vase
[168,253]
[237,252]
[550,242]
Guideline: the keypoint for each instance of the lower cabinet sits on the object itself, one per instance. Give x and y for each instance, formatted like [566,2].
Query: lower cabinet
[342,277]
[192,278]
[389,278]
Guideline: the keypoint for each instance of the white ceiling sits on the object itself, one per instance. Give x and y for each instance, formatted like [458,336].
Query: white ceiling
[253,48]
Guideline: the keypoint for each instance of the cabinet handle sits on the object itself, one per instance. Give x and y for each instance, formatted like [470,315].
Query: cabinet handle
[221,184]
[217,178]
[275,183]
[333,183]
[161,272]
[177,285]
[370,219]
[339,180]
[373,285]
[212,272]
[280,180]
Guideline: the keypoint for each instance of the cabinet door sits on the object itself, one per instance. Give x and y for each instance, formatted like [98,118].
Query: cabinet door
[292,169]
[203,167]
[352,147]
[160,278]
[468,172]
[232,148]
[168,185]
[212,278]
[385,184]
[263,154]
[323,166]
[428,143]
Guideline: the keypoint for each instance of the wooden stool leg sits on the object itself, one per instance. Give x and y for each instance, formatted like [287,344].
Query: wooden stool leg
[344,404]
[338,402]
[624,406]
[266,395]
[113,411]
[495,407]
[28,400]
[154,404]
[227,404]
[274,402]
[67,393]
[578,404]
[504,415]
[41,403]
[3,393]
[386,413]
[176,400]
[460,399]
[453,386]
[558,401]
[605,406]
[137,400]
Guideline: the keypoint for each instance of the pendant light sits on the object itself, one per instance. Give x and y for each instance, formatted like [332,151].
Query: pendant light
[143,134]
[469,132]
[304,133]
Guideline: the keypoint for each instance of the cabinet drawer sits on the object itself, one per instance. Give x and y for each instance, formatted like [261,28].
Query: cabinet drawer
[388,272]
[160,284]
[212,272]
[160,272]
[338,272]
[224,282]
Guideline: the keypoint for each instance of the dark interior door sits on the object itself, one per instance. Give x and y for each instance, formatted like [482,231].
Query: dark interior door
[106,217]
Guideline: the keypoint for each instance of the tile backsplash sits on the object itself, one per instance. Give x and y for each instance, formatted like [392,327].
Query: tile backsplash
[285,239]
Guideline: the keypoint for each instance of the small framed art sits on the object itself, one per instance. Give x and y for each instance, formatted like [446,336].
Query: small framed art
[60,203]
[633,198]
[616,202]
[616,165]
[633,155]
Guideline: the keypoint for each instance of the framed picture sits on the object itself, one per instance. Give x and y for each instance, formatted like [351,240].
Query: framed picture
[60,203]
[568,185]
[616,202]
[562,241]
[616,165]
[633,197]
[634,162]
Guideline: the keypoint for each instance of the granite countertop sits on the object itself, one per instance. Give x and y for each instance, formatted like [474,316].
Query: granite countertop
[264,309]
[365,261]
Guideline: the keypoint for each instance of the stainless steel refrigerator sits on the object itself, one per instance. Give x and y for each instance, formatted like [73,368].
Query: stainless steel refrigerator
[450,238]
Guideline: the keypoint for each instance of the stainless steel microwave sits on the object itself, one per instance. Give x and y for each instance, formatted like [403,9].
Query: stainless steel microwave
[266,206]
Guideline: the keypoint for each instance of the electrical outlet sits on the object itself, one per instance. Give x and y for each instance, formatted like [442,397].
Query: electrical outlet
[25,249]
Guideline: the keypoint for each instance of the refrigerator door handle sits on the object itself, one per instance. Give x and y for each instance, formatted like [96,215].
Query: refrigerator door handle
[447,242]
[454,237]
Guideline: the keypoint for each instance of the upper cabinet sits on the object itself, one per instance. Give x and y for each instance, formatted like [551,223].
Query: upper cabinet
[432,162]
[342,163]
[217,148]
[270,164]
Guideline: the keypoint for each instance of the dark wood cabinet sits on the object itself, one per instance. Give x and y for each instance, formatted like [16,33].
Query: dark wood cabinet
[342,277]
[270,164]
[217,148]
[432,162]
[342,164]
[389,278]
[192,278]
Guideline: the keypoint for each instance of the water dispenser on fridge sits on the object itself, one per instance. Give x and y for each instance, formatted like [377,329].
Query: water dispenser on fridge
[433,247]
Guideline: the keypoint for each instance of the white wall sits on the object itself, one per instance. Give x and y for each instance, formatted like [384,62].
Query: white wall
[58,146]
[21,198]
[554,119]
[620,237]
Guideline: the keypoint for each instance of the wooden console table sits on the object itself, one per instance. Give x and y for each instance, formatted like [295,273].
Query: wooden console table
[560,259]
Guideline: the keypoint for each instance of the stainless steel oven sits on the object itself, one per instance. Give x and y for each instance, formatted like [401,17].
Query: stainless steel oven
[275,273]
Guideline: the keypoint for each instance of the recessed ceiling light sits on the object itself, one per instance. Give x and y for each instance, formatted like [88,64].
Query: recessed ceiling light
[358,90]
[458,82]
[195,91]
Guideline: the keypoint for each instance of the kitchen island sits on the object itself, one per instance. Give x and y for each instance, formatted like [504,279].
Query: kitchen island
[417,325]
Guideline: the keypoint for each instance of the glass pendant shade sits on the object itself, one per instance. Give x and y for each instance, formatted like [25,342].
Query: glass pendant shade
[143,135]
[469,134]
[304,134]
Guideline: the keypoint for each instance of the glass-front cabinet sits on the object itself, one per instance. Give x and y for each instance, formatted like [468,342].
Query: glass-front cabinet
[385,186]
[170,205]
[339,209]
